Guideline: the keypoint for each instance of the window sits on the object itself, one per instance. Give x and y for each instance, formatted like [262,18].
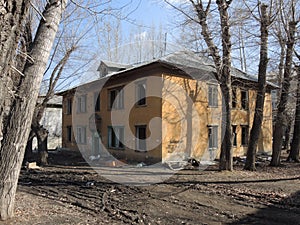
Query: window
[141,93]
[81,104]
[245,134]
[81,135]
[116,98]
[116,137]
[97,101]
[244,99]
[140,133]
[69,106]
[213,96]
[213,137]
[234,98]
[69,133]
[234,138]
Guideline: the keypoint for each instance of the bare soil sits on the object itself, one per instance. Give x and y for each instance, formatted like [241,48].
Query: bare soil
[76,194]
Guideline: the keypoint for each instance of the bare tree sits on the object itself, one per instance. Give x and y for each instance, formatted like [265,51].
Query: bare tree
[265,21]
[222,64]
[15,124]
[290,29]
[295,145]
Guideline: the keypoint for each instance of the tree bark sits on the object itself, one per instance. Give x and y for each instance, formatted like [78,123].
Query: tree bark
[226,159]
[281,117]
[42,138]
[260,97]
[295,146]
[223,66]
[21,110]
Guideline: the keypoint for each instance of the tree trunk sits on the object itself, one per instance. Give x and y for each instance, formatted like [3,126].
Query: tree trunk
[42,137]
[226,158]
[260,97]
[281,117]
[295,146]
[20,112]
[28,150]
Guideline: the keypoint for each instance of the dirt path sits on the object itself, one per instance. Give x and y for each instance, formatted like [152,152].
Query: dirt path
[79,195]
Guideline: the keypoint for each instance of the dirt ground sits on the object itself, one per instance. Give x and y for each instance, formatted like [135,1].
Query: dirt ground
[77,194]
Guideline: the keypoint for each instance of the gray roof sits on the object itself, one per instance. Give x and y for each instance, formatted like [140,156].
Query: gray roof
[199,67]
[114,65]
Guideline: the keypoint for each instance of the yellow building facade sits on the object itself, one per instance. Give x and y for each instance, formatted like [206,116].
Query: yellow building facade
[158,112]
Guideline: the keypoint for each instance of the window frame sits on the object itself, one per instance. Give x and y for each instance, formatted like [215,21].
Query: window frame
[213,137]
[119,95]
[113,137]
[234,97]
[245,100]
[69,106]
[82,104]
[69,134]
[234,134]
[140,141]
[213,95]
[141,100]
[81,135]
[97,102]
[244,135]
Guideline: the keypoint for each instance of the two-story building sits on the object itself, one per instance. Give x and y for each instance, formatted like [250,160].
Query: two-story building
[166,109]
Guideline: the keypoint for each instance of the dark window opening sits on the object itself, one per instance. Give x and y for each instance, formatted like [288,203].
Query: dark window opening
[245,134]
[244,99]
[234,139]
[97,101]
[141,135]
[116,137]
[141,93]
[234,98]
[69,133]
